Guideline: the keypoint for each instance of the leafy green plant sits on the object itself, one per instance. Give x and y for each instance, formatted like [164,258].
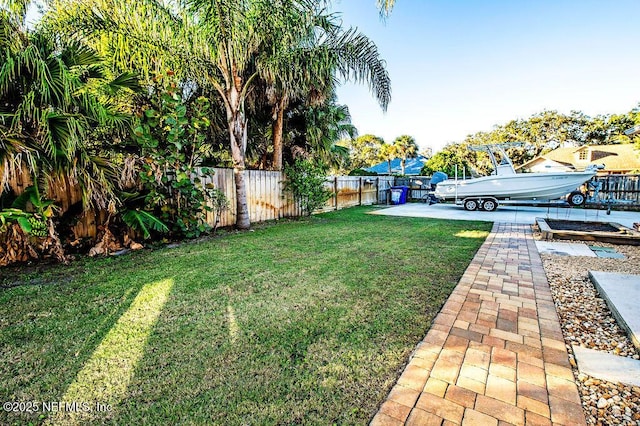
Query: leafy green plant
[218,202]
[171,132]
[305,179]
[143,222]
[34,216]
[30,211]
[15,215]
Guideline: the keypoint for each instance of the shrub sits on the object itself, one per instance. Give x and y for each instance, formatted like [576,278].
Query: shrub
[172,134]
[305,179]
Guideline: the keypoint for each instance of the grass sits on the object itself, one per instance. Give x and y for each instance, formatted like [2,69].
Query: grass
[304,321]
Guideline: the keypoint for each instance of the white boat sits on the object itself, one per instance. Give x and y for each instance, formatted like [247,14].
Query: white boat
[505,184]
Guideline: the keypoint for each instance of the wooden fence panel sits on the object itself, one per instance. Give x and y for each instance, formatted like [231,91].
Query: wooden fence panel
[263,195]
[65,194]
[349,191]
[288,205]
[384,184]
[266,197]
[624,188]
[369,193]
[222,179]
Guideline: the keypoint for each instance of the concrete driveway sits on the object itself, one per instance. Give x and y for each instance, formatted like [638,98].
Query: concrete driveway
[509,214]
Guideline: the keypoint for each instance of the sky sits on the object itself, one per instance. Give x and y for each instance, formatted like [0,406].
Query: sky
[458,67]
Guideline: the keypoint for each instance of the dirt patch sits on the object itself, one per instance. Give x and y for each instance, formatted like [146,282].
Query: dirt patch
[576,225]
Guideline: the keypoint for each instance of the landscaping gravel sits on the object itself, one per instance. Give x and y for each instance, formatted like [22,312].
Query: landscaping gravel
[586,321]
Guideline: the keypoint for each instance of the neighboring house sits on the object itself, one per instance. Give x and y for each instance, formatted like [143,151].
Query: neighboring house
[412,167]
[617,159]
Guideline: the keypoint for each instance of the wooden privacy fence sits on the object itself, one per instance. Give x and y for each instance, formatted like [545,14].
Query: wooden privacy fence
[624,189]
[350,191]
[265,196]
[65,194]
[268,200]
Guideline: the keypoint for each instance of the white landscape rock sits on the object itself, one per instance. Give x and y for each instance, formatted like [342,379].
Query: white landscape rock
[602,403]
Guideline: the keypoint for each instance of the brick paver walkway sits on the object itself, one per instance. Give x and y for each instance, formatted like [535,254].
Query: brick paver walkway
[495,354]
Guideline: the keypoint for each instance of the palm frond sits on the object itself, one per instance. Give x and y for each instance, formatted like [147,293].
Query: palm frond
[17,8]
[385,7]
[126,80]
[358,58]
[144,222]
[50,114]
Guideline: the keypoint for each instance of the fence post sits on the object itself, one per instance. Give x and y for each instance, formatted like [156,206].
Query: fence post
[335,191]
[360,191]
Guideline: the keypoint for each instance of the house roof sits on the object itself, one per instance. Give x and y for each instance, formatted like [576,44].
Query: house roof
[621,157]
[412,167]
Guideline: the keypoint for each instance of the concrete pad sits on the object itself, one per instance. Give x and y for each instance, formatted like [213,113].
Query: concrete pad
[509,214]
[564,249]
[622,294]
[605,366]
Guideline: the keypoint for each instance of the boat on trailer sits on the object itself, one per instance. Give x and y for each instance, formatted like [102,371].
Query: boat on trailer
[504,184]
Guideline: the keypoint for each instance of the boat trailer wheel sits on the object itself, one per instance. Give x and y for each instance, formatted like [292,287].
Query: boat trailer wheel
[470,205]
[489,205]
[577,198]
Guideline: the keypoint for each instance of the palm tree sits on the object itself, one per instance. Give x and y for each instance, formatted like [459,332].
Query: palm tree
[328,51]
[222,45]
[316,130]
[218,44]
[406,148]
[50,112]
[388,153]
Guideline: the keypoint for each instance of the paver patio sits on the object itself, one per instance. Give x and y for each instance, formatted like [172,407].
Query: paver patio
[495,354]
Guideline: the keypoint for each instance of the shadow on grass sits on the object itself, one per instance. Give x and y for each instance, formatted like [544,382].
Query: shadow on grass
[304,322]
[104,379]
[49,333]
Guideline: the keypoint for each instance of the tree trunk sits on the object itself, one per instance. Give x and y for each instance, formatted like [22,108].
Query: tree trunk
[238,137]
[237,123]
[402,164]
[243,220]
[389,165]
[277,129]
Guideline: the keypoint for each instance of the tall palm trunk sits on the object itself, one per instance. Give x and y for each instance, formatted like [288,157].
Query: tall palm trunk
[277,130]
[403,162]
[389,165]
[237,123]
[238,137]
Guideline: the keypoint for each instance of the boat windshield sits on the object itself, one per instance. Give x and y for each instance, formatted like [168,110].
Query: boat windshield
[501,162]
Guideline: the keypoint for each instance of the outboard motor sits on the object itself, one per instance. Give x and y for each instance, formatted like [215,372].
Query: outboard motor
[437,178]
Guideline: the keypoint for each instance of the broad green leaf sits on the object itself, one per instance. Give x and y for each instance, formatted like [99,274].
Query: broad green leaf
[24,224]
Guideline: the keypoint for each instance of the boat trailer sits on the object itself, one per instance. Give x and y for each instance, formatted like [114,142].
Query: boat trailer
[591,198]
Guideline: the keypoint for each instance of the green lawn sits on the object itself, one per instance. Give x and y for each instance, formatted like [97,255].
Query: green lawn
[304,321]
